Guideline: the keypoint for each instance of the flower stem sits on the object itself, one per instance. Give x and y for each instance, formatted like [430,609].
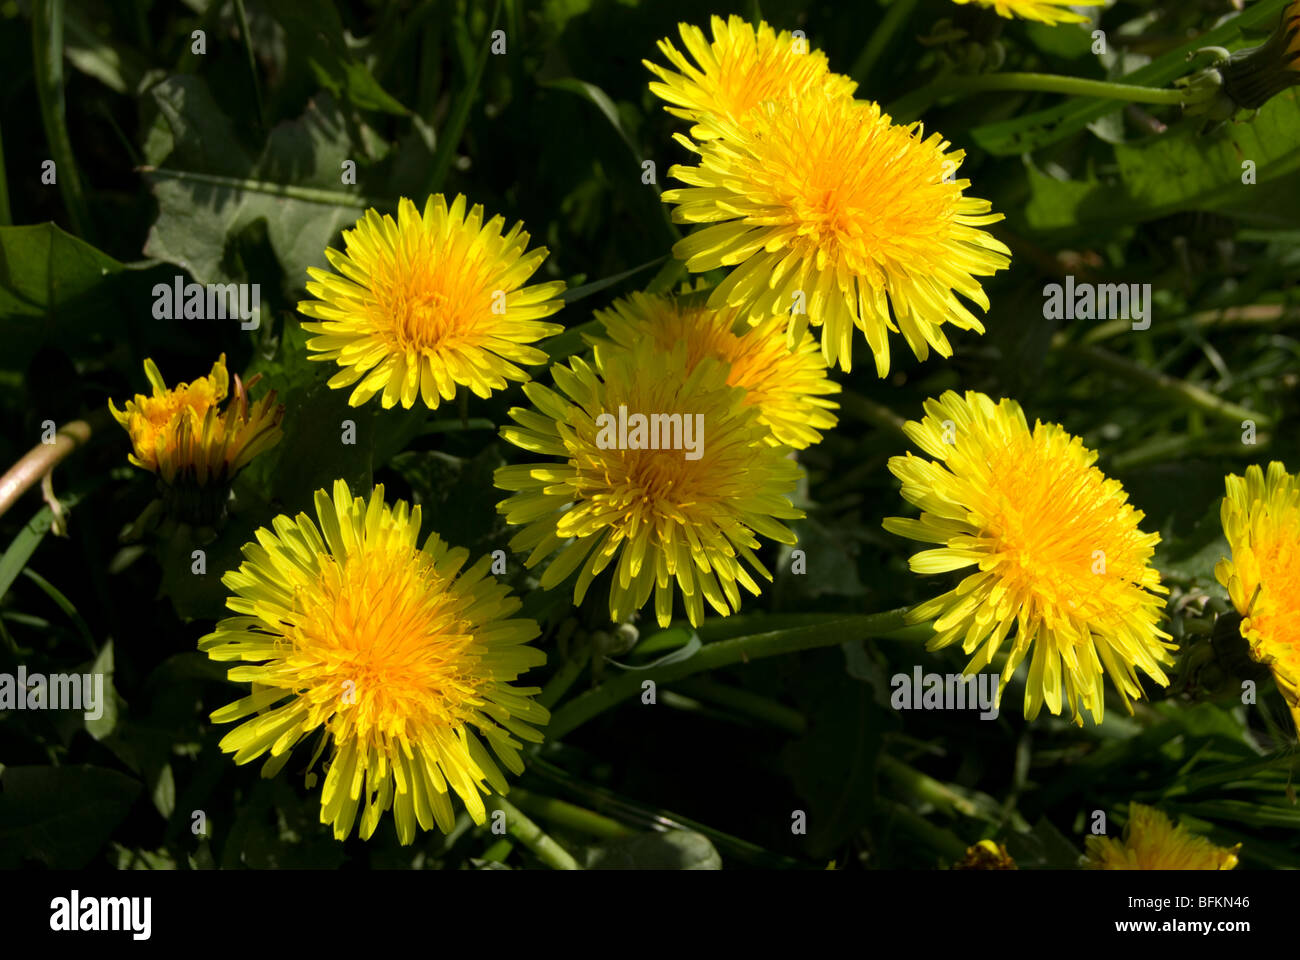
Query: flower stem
[44,457]
[569,815]
[859,407]
[908,108]
[828,633]
[1189,395]
[924,787]
[1071,86]
[498,851]
[564,677]
[532,836]
[944,842]
[1261,314]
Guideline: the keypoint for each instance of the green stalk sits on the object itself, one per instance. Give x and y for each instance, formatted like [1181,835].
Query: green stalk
[564,677]
[1189,395]
[532,836]
[911,106]
[1253,315]
[720,654]
[924,787]
[569,815]
[860,408]
[1070,86]
[944,842]
[498,851]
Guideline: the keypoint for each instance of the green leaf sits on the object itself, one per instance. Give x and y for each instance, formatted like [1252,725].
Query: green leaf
[313,453]
[27,539]
[126,859]
[63,603]
[53,289]
[118,66]
[315,33]
[61,816]
[103,725]
[834,765]
[457,496]
[1279,814]
[1043,848]
[685,652]
[23,546]
[197,214]
[832,561]
[575,294]
[673,850]
[599,99]
[1194,555]
[1177,171]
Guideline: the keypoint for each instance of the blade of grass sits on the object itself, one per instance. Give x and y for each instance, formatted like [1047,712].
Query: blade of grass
[449,136]
[47,61]
[67,606]
[587,289]
[894,17]
[242,15]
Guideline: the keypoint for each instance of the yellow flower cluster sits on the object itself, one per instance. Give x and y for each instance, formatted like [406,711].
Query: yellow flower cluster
[667,459]
[826,211]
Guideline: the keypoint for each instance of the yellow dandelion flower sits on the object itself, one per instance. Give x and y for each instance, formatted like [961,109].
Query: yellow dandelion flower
[742,68]
[667,470]
[385,649]
[1050,12]
[427,302]
[183,436]
[1152,842]
[1058,550]
[986,855]
[1261,520]
[788,387]
[827,209]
